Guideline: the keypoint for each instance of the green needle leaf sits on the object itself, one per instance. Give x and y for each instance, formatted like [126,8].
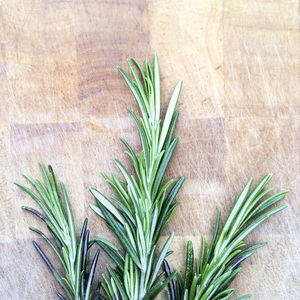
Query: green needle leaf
[244,297]
[189,266]
[169,114]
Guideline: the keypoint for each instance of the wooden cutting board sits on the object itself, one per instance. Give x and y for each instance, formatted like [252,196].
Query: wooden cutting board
[64,103]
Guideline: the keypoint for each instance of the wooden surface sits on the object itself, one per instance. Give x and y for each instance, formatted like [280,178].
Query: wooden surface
[63,102]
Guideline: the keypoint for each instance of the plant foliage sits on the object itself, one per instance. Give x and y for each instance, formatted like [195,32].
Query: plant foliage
[58,216]
[138,213]
[144,203]
[210,276]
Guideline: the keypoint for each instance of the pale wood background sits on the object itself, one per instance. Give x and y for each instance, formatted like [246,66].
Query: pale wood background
[63,102]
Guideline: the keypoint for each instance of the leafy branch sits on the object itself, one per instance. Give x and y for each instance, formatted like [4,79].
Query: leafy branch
[58,216]
[142,206]
[210,276]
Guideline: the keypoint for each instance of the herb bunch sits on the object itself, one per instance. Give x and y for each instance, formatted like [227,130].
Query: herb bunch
[143,204]
[138,214]
[210,276]
[58,216]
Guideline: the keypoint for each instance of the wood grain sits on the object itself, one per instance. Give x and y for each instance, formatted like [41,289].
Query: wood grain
[63,103]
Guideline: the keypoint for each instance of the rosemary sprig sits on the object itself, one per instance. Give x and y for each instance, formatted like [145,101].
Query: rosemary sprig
[59,219]
[210,276]
[143,206]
